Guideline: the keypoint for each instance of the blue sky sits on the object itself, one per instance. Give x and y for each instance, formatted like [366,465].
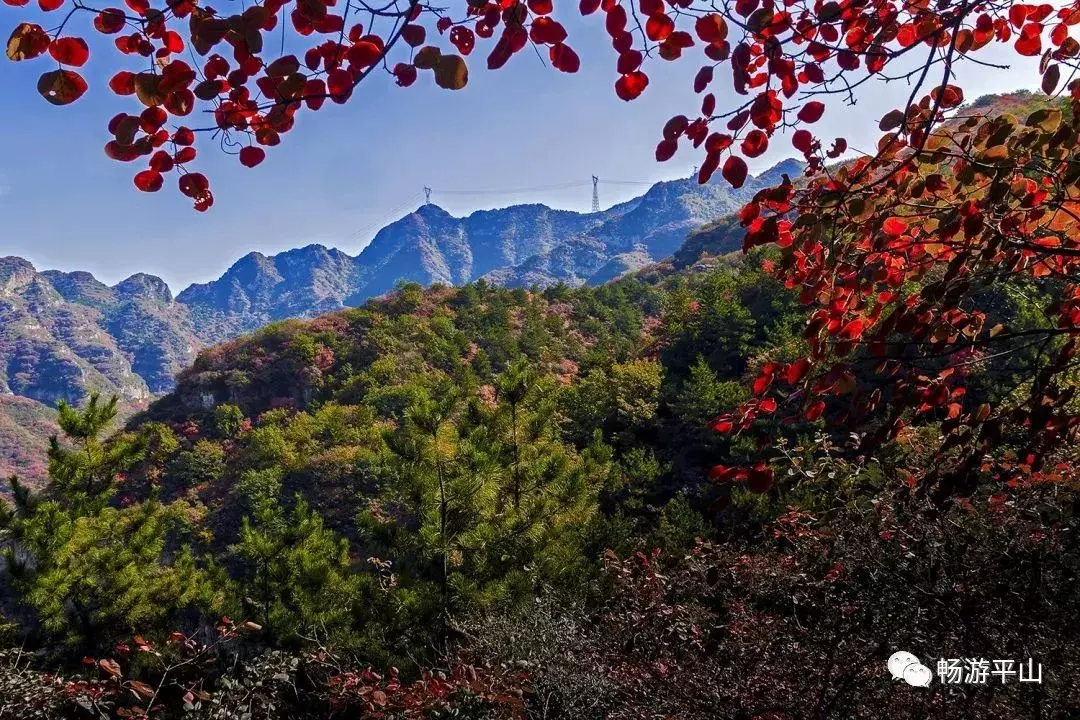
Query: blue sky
[340,173]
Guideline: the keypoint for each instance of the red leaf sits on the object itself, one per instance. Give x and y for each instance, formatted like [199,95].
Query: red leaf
[949,96]
[760,479]
[675,127]
[111,667]
[708,105]
[193,184]
[1029,41]
[722,424]
[711,28]
[703,78]
[251,156]
[314,91]
[723,473]
[564,58]
[501,53]
[149,181]
[853,330]
[1050,79]
[61,87]
[122,153]
[651,7]
[814,411]
[712,161]
[616,20]
[666,149]
[718,52]
[588,7]
[894,226]
[755,143]
[797,370]
[161,162]
[629,61]
[1018,14]
[363,54]
[681,40]
[812,111]
[339,83]
[768,405]
[463,39]
[70,51]
[762,383]
[173,42]
[545,31]
[631,85]
[27,42]
[735,171]
[151,119]
[183,136]
[413,35]
[405,74]
[540,7]
[717,143]
[50,5]
[803,141]
[659,27]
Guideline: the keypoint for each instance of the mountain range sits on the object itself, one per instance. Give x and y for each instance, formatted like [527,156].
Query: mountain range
[66,334]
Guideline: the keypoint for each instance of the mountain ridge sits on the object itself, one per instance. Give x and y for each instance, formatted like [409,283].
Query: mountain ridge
[518,245]
[64,335]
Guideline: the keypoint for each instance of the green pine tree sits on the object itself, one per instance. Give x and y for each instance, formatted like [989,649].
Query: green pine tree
[298,580]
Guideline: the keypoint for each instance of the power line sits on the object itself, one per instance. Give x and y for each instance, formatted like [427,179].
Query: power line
[386,218]
[512,191]
[414,201]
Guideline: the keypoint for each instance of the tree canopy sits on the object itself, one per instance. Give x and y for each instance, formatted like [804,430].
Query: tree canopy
[245,86]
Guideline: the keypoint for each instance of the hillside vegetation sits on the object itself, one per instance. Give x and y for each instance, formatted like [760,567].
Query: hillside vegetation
[64,335]
[511,488]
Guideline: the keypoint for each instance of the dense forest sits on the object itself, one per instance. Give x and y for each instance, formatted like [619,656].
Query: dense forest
[483,502]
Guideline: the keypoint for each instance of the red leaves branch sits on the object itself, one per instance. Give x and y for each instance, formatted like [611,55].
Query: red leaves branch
[776,56]
[900,264]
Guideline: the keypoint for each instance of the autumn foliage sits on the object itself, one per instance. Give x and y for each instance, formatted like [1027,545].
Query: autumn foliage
[194,68]
[904,260]
[912,424]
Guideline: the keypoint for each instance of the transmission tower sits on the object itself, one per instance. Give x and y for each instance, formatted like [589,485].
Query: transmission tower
[595,194]
[427,195]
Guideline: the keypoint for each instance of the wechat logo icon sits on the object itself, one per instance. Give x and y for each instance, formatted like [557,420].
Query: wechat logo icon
[905,666]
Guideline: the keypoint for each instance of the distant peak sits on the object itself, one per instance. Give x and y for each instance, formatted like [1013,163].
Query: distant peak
[254,261]
[15,272]
[431,210]
[12,263]
[253,256]
[312,249]
[75,276]
[144,285]
[791,167]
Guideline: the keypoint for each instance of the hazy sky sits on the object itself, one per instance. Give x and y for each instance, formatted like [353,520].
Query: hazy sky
[343,172]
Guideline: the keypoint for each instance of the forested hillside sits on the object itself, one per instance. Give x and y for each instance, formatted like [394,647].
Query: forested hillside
[64,335]
[796,446]
[514,486]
